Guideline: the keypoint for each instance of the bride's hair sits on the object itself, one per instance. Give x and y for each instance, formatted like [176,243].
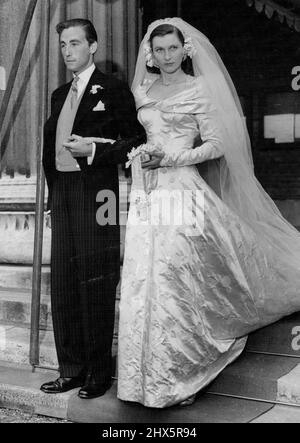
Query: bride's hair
[161,31]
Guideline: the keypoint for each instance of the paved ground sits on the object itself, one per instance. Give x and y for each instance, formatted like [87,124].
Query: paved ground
[278,414]
[14,416]
[222,402]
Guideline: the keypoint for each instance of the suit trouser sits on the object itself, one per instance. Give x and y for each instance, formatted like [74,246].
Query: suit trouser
[85,264]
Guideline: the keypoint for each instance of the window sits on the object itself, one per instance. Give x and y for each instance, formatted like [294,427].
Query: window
[282,119]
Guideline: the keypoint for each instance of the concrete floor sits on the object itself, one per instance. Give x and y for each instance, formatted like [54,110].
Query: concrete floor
[17,416]
[21,401]
[277,414]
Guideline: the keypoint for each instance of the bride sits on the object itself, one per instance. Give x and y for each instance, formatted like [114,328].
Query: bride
[193,288]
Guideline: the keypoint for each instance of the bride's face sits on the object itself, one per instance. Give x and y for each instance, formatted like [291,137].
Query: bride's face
[168,53]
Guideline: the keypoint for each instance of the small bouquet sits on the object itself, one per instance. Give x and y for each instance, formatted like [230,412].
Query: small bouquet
[144,151]
[143,181]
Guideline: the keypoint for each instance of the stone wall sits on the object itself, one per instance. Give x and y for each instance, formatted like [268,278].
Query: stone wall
[17,238]
[17,226]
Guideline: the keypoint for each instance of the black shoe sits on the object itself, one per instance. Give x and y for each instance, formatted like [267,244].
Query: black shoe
[62,385]
[93,389]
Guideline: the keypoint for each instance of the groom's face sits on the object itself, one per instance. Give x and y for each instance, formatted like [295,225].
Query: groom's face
[76,50]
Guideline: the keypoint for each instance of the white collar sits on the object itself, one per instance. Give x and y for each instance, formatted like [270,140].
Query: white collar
[84,78]
[87,73]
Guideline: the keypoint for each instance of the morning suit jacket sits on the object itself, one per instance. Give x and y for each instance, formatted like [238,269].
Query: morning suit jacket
[116,121]
[85,257]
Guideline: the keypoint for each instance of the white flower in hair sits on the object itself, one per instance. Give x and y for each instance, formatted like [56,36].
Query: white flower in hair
[148,55]
[189,47]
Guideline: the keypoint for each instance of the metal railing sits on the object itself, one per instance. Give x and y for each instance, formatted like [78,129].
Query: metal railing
[16,63]
[34,355]
[40,190]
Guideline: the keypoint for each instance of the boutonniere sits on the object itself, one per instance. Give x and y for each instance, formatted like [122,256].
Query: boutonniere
[95,88]
[100,106]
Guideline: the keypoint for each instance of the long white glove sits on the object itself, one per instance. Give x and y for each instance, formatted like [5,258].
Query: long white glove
[209,150]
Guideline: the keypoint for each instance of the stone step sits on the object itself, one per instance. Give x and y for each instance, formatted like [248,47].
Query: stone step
[282,337]
[252,376]
[17,237]
[280,414]
[15,309]
[15,346]
[20,277]
[290,210]
[20,389]
[256,376]
[264,377]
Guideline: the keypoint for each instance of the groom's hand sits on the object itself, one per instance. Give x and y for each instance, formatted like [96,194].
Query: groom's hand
[79,146]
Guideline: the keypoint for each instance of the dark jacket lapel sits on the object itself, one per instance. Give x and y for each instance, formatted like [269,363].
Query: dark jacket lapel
[89,100]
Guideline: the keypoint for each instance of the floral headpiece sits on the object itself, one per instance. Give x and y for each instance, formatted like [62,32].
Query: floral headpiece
[189,50]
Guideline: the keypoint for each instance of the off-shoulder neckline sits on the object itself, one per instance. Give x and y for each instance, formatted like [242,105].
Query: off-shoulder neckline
[152,99]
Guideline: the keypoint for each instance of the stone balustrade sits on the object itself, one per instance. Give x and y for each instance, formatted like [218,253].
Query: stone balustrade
[17,221]
[17,238]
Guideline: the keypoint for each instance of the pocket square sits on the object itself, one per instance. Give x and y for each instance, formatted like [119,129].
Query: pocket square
[100,106]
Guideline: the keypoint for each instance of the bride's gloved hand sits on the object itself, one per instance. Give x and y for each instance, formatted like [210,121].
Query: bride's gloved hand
[154,160]
[189,157]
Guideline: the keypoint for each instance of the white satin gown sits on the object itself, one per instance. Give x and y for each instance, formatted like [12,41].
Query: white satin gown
[189,298]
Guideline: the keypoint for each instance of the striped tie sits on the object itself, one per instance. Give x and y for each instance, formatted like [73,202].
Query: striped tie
[74,91]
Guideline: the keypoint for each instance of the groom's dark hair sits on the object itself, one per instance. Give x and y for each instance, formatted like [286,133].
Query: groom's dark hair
[86,25]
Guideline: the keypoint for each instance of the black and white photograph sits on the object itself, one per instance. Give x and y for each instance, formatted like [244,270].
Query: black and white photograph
[149,214]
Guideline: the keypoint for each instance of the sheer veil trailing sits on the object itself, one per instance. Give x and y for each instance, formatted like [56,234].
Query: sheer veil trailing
[238,186]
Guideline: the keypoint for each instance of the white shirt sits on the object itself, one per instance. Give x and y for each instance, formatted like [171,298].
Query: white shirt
[84,78]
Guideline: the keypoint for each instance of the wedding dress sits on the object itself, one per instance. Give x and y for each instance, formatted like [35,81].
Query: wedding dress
[194,287]
[188,301]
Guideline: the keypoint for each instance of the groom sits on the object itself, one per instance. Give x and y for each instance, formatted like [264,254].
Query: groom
[85,255]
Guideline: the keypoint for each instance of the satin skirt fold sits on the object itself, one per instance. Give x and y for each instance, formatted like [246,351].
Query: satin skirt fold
[192,291]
